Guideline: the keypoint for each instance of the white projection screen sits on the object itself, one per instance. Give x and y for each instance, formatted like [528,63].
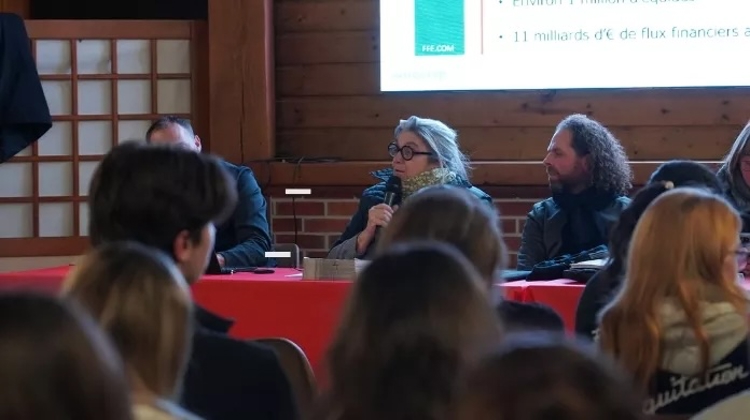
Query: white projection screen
[439,45]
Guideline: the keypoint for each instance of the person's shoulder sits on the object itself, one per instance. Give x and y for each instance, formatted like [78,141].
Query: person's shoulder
[233,349]
[543,206]
[604,281]
[726,409]
[377,190]
[231,166]
[529,315]
[479,193]
[243,175]
[236,170]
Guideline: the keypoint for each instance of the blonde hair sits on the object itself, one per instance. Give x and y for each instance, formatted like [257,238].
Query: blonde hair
[140,298]
[679,248]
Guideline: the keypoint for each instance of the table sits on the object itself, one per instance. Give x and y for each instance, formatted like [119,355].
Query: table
[562,295]
[262,305]
[282,305]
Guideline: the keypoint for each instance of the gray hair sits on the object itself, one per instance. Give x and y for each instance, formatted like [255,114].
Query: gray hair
[441,140]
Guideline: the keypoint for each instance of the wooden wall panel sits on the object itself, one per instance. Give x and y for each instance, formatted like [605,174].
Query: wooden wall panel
[326,15]
[20,7]
[329,104]
[241,79]
[510,143]
[519,109]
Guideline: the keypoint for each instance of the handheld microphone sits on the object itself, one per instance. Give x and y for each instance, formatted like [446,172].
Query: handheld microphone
[392,191]
[392,194]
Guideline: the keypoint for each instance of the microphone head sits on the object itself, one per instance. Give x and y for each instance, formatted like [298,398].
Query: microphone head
[393,185]
[393,191]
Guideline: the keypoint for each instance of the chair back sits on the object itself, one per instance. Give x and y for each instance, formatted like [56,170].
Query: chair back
[293,250]
[298,370]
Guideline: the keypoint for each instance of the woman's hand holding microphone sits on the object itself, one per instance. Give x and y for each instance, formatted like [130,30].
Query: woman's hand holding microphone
[378,216]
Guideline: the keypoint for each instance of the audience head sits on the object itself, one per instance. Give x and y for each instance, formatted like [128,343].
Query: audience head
[162,196]
[584,153]
[175,131]
[142,300]
[417,316]
[426,144]
[455,216]
[538,376]
[736,165]
[56,364]
[675,173]
[529,316]
[685,248]
[686,173]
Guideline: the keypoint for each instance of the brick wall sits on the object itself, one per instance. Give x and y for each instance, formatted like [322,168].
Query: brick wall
[320,221]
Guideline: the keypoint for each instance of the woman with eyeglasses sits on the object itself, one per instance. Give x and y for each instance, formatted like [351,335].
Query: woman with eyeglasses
[734,175]
[679,324]
[424,153]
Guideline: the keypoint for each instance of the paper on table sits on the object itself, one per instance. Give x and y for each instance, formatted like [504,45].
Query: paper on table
[599,263]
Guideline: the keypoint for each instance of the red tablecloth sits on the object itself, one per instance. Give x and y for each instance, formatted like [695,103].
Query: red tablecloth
[281,305]
[262,305]
[561,295]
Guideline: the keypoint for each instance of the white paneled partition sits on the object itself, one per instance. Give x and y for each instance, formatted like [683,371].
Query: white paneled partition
[104,82]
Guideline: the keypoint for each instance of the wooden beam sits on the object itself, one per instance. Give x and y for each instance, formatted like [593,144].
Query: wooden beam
[19,7]
[529,173]
[48,247]
[199,65]
[641,142]
[241,79]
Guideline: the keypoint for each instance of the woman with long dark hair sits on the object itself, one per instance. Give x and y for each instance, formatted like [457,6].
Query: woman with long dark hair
[417,318]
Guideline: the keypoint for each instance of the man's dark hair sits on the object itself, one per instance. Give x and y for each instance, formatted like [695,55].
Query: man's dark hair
[168,121]
[150,193]
[608,161]
[529,316]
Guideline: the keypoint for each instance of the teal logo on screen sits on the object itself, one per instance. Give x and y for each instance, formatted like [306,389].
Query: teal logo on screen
[439,27]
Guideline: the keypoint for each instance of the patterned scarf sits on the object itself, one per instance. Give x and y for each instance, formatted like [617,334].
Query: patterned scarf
[437,176]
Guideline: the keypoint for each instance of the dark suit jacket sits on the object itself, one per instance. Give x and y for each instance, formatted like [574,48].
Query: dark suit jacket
[245,237]
[24,114]
[228,379]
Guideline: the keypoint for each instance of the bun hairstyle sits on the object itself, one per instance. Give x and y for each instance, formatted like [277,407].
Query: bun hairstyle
[669,175]
[619,237]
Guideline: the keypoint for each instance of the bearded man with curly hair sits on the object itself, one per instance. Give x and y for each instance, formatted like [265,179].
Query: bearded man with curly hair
[590,178]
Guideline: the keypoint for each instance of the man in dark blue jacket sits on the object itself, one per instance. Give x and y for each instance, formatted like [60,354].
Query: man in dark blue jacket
[245,237]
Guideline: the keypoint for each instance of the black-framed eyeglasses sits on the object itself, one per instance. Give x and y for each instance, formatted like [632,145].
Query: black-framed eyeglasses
[406,152]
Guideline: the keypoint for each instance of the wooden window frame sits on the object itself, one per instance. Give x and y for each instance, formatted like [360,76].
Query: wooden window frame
[112,31]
